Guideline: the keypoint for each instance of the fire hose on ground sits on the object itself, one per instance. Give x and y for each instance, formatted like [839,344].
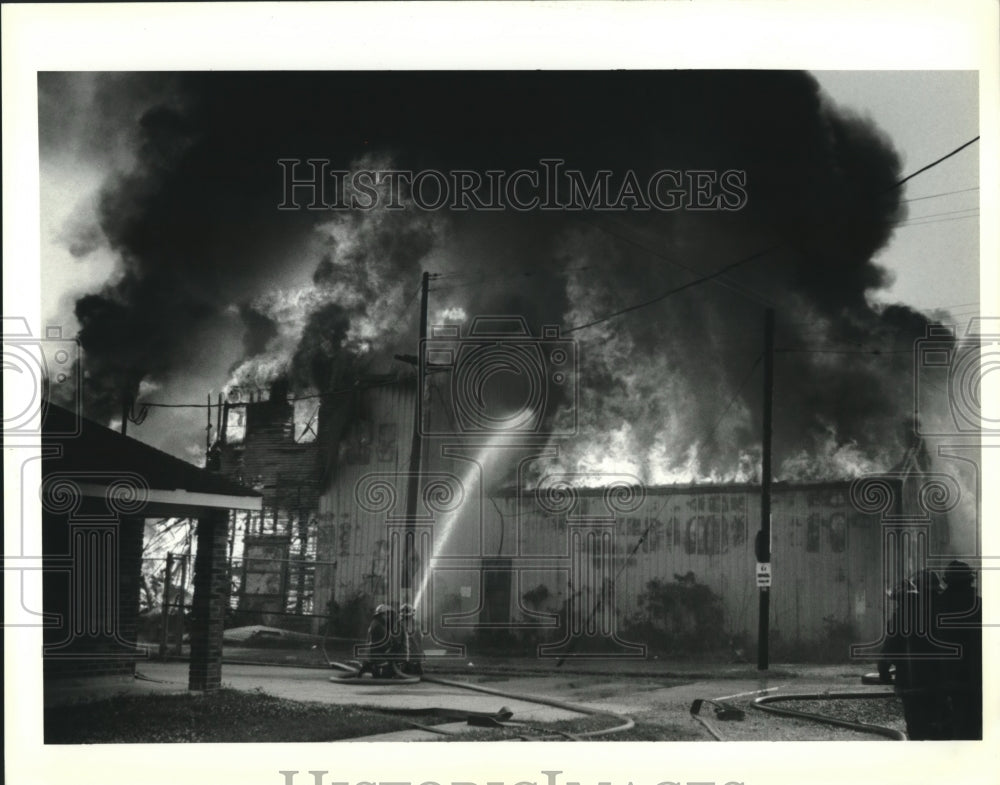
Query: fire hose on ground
[627,722]
[726,711]
[723,711]
[763,704]
[354,678]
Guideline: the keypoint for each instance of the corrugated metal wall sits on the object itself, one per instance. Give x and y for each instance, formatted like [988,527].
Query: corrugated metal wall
[494,551]
[826,558]
[361,491]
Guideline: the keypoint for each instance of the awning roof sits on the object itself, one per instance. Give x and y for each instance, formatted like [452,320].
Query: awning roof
[94,457]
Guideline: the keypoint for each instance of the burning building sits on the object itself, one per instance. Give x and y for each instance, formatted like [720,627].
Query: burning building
[658,305]
[506,546]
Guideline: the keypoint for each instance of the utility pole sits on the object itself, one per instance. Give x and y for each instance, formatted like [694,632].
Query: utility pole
[165,613]
[763,543]
[208,423]
[126,409]
[416,447]
[179,643]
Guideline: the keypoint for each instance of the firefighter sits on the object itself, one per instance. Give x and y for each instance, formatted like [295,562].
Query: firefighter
[380,644]
[910,647]
[960,623]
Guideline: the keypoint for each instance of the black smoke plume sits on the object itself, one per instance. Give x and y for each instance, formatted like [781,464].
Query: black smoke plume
[196,224]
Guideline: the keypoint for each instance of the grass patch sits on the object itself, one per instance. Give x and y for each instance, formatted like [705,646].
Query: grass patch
[222,716]
[645,730]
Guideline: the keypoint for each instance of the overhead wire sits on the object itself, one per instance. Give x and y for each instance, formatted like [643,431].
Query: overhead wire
[675,290]
[291,398]
[843,351]
[932,164]
[938,195]
[937,215]
[721,271]
[936,221]
[722,280]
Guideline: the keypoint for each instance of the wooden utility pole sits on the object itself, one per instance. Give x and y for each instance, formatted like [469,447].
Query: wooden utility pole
[416,447]
[179,642]
[763,544]
[126,410]
[208,423]
[165,613]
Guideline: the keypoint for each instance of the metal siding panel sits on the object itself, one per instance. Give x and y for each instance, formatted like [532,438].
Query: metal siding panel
[352,534]
[688,517]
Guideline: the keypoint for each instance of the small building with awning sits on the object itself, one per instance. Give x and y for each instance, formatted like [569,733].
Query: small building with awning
[98,488]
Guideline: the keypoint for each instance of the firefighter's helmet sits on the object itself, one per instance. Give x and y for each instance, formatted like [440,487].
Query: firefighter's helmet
[958,573]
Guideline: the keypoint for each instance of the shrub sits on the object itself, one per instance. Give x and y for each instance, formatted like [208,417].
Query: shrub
[682,616]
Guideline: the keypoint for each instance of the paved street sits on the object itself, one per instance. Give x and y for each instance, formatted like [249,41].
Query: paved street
[642,696]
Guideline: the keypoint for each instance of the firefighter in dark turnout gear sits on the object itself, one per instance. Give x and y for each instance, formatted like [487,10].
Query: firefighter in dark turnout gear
[960,623]
[910,646]
[393,648]
[379,646]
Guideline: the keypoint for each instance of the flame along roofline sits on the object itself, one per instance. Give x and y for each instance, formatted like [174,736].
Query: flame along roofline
[702,487]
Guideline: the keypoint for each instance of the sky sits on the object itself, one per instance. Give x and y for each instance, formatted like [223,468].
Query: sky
[926,114]
[103,153]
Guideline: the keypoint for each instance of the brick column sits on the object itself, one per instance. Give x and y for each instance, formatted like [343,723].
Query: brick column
[211,594]
[130,537]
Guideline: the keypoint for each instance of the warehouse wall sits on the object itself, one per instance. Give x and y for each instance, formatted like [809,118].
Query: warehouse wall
[492,558]
[353,542]
[495,547]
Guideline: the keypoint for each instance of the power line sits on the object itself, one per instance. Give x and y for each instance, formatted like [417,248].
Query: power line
[959,305]
[738,288]
[932,164]
[409,302]
[682,287]
[935,196]
[757,255]
[844,351]
[290,399]
[937,215]
[937,221]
